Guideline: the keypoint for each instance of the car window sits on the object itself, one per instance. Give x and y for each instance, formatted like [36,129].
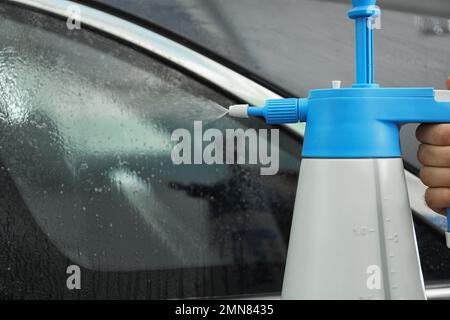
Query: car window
[88,180]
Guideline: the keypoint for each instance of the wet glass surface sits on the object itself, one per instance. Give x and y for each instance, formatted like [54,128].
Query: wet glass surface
[87,177]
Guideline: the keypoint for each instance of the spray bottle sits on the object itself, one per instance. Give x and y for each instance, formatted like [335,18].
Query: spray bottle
[352,234]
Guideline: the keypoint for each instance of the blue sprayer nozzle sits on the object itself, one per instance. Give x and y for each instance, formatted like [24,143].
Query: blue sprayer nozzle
[275,111]
[358,122]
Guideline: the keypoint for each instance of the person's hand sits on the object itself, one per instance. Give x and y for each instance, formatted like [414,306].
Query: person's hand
[434,155]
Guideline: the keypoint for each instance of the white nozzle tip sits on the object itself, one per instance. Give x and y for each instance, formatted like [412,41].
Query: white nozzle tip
[238,111]
[336,84]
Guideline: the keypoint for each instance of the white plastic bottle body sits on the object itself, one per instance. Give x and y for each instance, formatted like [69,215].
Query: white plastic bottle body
[352,234]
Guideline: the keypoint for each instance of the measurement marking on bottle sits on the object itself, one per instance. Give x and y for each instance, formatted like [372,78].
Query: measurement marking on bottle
[362,231]
[394,238]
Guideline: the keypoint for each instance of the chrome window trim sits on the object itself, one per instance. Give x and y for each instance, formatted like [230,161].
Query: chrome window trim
[438,291]
[201,65]
[225,78]
[434,292]
[416,194]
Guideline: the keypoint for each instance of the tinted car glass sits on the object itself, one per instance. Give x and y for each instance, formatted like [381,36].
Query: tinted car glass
[87,176]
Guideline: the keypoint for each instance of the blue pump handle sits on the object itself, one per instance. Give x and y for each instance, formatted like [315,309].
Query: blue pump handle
[364,12]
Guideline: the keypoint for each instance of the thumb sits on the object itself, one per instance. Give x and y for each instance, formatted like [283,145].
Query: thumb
[447,83]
